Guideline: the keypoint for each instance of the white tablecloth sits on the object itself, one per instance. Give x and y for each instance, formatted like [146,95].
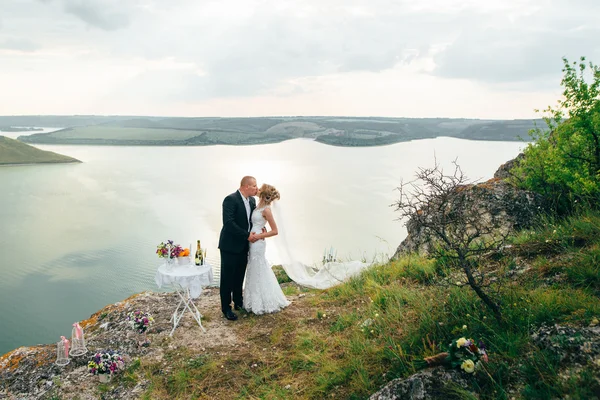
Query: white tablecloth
[189,276]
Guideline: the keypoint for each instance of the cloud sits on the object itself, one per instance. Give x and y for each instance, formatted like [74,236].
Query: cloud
[107,15]
[18,44]
[526,50]
[190,52]
[96,15]
[496,55]
[246,55]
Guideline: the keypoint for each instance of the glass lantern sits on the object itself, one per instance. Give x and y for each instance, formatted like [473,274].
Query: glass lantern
[62,352]
[78,347]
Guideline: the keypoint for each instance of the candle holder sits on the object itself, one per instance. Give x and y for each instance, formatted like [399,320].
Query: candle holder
[78,347]
[62,352]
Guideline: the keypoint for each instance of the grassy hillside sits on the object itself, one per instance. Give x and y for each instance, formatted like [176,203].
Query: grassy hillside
[15,152]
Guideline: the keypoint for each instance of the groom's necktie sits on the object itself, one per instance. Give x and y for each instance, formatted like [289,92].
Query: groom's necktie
[247,205]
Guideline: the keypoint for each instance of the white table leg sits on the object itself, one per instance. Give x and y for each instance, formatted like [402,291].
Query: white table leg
[177,309]
[186,300]
[176,317]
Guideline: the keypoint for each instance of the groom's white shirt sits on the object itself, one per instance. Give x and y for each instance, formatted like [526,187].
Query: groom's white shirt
[247,205]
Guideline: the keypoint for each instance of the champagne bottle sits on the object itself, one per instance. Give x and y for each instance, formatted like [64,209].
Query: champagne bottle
[198,254]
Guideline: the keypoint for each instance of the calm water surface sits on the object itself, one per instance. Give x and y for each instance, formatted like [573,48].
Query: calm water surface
[77,237]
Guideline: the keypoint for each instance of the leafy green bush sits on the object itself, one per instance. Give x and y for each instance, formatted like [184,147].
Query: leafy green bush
[563,161]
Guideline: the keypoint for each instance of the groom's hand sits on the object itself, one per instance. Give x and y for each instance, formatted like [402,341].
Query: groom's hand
[252,237]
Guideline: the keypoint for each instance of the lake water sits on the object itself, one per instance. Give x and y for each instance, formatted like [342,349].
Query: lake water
[76,237]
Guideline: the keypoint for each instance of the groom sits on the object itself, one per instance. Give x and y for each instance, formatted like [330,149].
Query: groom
[234,244]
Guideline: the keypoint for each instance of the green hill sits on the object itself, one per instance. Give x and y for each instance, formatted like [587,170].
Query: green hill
[14,152]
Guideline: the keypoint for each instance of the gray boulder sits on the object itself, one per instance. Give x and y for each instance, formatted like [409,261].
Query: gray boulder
[434,383]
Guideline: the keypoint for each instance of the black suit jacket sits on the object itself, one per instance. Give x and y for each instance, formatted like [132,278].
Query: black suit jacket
[235,231]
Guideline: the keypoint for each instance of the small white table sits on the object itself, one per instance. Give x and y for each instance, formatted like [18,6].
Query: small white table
[188,281]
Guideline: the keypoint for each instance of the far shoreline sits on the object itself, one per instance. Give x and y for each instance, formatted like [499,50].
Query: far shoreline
[115,143]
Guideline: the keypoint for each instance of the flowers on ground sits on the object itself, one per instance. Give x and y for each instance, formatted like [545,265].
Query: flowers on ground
[106,362]
[140,321]
[169,250]
[462,353]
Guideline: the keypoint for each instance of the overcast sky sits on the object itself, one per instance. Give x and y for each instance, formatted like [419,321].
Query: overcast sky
[407,58]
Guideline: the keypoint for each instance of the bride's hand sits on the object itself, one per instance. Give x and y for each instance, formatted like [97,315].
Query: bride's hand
[262,235]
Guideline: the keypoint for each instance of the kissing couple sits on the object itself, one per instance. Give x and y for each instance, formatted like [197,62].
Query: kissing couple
[242,246]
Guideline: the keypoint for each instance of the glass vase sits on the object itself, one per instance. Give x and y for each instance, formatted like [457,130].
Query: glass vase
[104,378]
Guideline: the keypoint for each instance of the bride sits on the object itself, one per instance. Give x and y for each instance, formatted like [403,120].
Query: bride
[262,293]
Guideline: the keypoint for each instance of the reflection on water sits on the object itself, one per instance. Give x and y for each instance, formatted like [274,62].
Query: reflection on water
[76,237]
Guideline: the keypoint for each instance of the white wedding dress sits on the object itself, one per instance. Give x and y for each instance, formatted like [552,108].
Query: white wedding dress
[262,293]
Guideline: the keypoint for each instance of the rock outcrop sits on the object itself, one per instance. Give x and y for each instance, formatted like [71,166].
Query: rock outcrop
[433,383]
[498,197]
[30,372]
[574,346]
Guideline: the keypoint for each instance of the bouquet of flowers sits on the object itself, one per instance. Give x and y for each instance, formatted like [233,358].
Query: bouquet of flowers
[168,250]
[140,321]
[107,362]
[461,353]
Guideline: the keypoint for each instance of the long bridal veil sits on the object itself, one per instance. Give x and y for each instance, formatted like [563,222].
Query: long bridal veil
[331,274]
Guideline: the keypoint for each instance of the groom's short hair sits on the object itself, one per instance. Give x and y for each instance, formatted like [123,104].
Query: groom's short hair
[247,180]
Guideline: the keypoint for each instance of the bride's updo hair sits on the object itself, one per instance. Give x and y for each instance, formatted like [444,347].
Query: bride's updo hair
[268,193]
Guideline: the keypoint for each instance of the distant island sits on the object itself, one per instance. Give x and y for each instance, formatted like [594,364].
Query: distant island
[337,131]
[13,152]
[19,129]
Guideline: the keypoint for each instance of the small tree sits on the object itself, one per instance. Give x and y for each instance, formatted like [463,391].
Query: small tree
[454,217]
[563,161]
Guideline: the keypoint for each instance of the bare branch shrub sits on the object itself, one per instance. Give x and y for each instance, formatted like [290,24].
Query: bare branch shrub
[458,222]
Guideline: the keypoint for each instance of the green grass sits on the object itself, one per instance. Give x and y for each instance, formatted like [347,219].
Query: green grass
[129,376]
[282,276]
[553,236]
[350,340]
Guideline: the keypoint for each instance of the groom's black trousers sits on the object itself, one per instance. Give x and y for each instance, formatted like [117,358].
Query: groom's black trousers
[233,269]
